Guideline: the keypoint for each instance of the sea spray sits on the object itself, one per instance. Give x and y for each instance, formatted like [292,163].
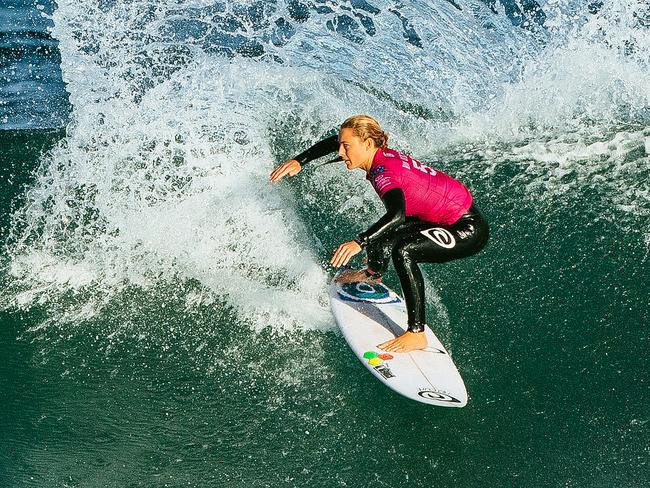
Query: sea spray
[180,113]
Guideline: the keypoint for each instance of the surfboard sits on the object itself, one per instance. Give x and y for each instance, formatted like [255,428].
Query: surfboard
[370,314]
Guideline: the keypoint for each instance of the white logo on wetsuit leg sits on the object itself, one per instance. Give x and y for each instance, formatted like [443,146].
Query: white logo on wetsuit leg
[440,236]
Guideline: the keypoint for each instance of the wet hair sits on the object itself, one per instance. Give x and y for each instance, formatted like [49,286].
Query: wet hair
[366,127]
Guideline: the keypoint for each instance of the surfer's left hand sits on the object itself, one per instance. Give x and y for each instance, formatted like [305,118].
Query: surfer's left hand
[344,253]
[407,342]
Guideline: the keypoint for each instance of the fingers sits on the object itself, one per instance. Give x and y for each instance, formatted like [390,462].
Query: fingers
[279,173]
[342,255]
[290,168]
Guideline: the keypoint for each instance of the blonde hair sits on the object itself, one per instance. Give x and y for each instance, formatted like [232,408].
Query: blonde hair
[365,127]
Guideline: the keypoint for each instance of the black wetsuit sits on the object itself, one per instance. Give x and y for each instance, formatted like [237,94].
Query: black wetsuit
[410,240]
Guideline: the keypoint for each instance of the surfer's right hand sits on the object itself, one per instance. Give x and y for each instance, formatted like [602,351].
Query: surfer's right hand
[290,167]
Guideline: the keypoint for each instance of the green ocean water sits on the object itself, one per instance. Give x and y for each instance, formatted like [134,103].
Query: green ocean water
[136,349]
[548,327]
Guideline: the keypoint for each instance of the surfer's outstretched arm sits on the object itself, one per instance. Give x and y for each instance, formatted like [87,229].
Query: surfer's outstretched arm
[293,166]
[318,150]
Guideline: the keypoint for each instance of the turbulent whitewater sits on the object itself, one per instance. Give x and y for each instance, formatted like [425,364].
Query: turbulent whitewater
[181,109]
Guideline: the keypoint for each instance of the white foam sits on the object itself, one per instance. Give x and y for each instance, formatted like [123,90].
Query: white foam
[593,72]
[163,173]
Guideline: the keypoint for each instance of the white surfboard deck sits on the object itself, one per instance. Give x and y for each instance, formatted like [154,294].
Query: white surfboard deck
[370,314]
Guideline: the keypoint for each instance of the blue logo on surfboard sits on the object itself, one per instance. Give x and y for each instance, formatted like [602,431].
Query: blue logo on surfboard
[365,292]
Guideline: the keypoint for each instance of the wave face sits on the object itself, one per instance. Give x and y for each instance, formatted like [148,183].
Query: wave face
[180,111]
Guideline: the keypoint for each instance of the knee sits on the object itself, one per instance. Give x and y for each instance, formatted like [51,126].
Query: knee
[401,257]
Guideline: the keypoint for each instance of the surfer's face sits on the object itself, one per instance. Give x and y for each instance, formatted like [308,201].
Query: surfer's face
[355,152]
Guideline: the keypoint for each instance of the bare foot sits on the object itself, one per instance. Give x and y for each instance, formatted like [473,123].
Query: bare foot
[355,276]
[407,342]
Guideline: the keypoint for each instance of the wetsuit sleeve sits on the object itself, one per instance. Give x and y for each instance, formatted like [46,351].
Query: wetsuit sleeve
[395,215]
[318,150]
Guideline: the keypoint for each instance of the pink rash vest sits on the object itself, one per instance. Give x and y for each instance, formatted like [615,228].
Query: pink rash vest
[429,194]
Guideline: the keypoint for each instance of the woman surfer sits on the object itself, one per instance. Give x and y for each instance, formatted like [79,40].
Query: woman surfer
[430,217]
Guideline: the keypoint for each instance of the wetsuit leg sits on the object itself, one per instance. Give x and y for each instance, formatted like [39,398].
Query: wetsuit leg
[433,244]
[379,252]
